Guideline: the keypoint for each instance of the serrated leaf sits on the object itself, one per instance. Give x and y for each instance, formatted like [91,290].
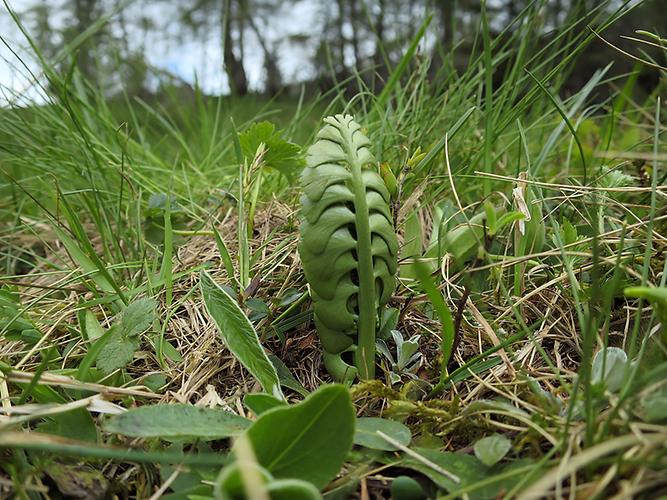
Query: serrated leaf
[177,422]
[366,433]
[138,316]
[117,352]
[308,441]
[279,154]
[239,335]
[492,449]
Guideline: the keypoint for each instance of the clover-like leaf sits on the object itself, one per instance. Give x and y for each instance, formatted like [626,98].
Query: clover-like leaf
[348,244]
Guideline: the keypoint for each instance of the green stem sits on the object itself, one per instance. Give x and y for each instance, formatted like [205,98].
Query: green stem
[365,355]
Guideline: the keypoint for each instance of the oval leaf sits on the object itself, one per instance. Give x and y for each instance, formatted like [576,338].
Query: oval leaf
[366,433]
[609,367]
[239,335]
[258,403]
[177,422]
[492,449]
[307,441]
[138,316]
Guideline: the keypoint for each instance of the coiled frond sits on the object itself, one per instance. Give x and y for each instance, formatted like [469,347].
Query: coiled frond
[348,244]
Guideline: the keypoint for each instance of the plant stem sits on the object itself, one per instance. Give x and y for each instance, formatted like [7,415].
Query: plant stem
[365,356]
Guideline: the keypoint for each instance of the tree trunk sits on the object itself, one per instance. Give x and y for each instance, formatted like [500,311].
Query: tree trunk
[354,22]
[233,66]
[447,21]
[84,13]
[378,58]
[274,80]
[341,37]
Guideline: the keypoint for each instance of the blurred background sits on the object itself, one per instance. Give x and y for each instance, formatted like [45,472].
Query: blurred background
[278,48]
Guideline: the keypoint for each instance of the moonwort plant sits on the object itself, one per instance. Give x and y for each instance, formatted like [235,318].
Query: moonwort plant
[348,245]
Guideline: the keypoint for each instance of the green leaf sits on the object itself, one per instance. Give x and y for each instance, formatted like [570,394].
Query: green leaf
[258,403]
[229,485]
[469,470]
[348,244]
[292,489]
[239,335]
[444,315]
[280,154]
[177,422]
[492,449]
[464,467]
[366,433]
[155,381]
[609,366]
[171,352]
[308,441]
[285,376]
[656,296]
[92,327]
[406,488]
[95,270]
[75,424]
[413,240]
[117,351]
[138,317]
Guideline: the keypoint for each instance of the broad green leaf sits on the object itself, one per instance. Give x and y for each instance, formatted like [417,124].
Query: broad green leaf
[138,317]
[469,471]
[367,428]
[459,465]
[76,424]
[258,403]
[308,441]
[406,488]
[117,351]
[177,422]
[239,335]
[492,449]
[155,381]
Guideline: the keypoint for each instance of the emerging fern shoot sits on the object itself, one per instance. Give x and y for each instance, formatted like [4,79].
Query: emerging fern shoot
[348,245]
